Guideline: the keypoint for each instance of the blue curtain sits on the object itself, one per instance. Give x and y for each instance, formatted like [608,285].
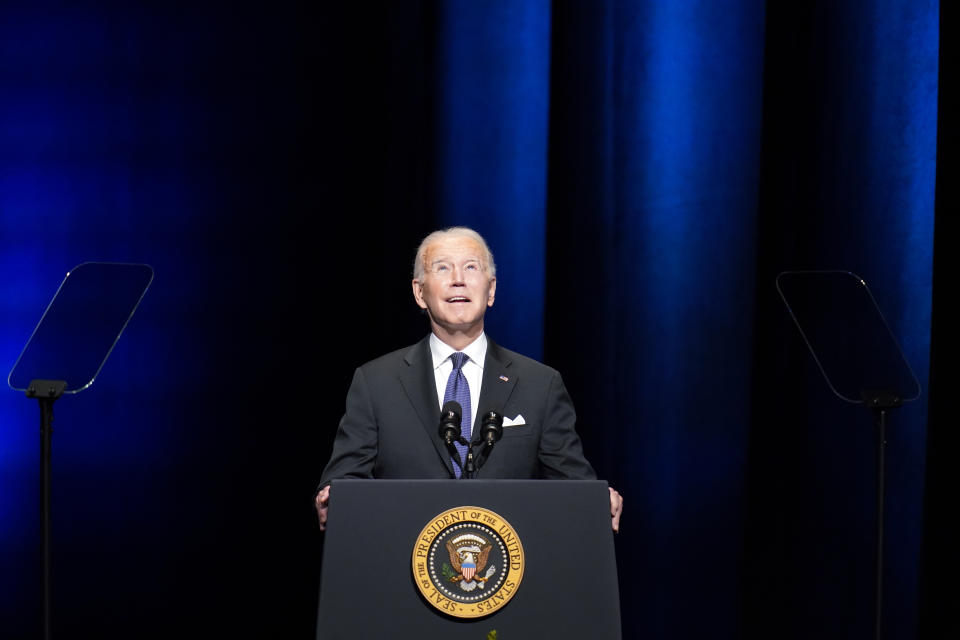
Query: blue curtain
[492,113]
[652,217]
[642,171]
[848,179]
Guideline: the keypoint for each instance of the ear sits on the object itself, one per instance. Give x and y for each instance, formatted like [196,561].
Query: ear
[493,290]
[418,293]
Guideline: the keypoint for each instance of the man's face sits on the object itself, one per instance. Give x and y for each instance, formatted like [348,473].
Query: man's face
[456,288]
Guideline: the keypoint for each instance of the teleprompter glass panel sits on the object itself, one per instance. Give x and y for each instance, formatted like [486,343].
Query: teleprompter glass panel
[81,324]
[847,334]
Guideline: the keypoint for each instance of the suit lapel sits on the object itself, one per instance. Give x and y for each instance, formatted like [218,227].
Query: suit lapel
[499,380]
[420,385]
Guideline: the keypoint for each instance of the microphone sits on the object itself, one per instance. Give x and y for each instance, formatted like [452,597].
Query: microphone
[491,427]
[450,422]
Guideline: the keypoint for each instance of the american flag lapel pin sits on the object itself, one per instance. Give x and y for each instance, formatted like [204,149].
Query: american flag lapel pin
[505,378]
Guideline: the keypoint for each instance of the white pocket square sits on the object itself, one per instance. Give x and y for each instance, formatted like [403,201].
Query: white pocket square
[516,422]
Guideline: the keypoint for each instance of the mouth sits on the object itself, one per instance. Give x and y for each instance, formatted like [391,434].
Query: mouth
[458,299]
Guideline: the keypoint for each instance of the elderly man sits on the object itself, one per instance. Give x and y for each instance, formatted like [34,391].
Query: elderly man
[390,428]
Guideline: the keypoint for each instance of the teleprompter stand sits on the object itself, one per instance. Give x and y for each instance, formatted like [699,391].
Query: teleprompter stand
[63,356]
[860,360]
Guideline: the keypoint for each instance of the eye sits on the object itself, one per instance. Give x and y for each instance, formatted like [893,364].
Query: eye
[472,266]
[441,268]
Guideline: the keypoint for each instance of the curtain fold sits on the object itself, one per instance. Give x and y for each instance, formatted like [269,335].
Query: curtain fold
[492,72]
[655,156]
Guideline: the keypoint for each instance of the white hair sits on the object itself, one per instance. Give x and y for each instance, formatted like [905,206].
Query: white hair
[419,263]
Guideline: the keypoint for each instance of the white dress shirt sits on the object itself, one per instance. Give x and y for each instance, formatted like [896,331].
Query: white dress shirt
[472,369]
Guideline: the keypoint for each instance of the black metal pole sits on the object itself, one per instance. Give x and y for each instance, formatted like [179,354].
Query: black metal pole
[46,392]
[881,419]
[46,431]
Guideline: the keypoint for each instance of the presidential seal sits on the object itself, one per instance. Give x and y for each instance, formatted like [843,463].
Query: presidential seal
[468,562]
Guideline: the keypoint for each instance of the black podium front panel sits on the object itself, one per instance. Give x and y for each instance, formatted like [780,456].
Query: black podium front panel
[569,584]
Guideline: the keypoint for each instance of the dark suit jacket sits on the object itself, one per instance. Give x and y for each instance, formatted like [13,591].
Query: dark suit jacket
[390,429]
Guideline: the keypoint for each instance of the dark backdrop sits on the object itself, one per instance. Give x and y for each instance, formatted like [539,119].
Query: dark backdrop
[643,170]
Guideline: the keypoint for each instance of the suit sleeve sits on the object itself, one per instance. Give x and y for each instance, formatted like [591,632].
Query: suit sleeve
[561,454]
[355,447]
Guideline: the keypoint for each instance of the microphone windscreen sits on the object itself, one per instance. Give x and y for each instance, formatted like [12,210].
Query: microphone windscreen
[493,419]
[492,426]
[452,406]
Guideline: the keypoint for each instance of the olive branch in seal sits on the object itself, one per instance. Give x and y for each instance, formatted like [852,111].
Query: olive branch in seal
[448,571]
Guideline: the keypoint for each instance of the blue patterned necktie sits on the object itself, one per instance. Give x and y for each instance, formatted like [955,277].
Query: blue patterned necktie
[459,390]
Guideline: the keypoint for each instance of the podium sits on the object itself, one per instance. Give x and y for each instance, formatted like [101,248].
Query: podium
[558,530]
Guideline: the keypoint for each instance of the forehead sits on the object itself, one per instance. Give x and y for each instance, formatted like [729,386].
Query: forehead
[455,248]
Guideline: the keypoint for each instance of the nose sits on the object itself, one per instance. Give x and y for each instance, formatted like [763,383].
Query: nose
[457,275]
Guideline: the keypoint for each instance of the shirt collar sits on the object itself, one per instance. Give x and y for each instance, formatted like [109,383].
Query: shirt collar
[476,350]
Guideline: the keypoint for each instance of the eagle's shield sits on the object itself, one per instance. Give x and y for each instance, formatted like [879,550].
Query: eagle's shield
[468,569]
